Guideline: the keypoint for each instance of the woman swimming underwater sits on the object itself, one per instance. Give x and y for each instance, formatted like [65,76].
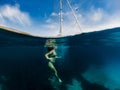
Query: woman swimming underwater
[51,56]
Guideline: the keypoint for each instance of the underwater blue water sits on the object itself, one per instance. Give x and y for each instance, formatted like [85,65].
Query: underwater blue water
[88,61]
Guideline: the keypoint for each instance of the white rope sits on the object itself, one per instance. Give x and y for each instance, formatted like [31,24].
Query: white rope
[74,16]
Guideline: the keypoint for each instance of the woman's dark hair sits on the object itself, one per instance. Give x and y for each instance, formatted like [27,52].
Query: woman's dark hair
[50,48]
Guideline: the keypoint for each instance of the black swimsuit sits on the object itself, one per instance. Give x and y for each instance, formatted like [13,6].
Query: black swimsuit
[50,49]
[52,55]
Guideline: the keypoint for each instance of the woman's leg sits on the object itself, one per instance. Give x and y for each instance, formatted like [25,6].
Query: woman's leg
[50,64]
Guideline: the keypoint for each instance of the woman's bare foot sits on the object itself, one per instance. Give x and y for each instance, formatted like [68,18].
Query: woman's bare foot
[59,80]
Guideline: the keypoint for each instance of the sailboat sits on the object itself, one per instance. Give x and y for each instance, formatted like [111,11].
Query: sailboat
[60,33]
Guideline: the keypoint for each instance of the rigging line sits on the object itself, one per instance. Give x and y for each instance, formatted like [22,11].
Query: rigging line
[74,16]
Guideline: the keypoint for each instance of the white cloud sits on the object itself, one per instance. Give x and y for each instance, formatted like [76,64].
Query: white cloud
[13,15]
[96,15]
[1,19]
[54,14]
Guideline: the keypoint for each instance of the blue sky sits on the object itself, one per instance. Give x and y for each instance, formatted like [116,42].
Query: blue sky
[36,9]
[41,17]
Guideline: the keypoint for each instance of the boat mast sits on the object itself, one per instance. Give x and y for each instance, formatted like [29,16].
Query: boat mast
[60,31]
[61,17]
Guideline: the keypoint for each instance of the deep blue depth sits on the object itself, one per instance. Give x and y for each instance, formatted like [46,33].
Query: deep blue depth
[23,65]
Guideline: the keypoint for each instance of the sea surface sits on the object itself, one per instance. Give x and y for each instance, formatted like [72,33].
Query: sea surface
[89,61]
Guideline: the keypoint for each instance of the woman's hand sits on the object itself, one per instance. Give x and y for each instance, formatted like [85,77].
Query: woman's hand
[52,60]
